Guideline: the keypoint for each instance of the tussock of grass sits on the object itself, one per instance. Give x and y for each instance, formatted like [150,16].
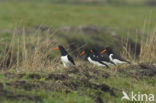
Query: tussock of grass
[29,52]
[147,49]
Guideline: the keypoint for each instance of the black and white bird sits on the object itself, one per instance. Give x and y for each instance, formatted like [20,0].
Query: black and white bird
[66,59]
[104,58]
[114,57]
[92,58]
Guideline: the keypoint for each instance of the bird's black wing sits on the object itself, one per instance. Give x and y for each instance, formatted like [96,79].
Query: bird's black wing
[98,59]
[71,59]
[104,58]
[94,57]
[101,57]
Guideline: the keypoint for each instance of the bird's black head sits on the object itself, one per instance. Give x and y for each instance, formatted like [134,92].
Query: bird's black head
[94,51]
[109,50]
[61,47]
[62,50]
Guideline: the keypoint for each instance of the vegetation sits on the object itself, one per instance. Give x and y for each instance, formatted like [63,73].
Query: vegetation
[30,71]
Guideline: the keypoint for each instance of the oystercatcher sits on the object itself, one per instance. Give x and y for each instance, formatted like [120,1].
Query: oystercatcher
[65,57]
[114,57]
[92,58]
[104,58]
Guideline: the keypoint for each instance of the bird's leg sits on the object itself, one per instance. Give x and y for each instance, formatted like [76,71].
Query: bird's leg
[117,68]
[113,69]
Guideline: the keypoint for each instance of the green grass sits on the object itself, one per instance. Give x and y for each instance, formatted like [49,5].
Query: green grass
[46,91]
[28,14]
[124,19]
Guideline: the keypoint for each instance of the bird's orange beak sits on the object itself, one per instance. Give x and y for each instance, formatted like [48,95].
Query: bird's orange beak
[82,53]
[56,48]
[103,51]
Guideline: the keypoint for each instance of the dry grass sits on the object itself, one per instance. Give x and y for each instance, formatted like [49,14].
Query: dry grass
[29,52]
[147,48]
[34,52]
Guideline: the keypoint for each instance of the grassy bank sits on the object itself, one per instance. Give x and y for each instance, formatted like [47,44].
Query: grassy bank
[30,71]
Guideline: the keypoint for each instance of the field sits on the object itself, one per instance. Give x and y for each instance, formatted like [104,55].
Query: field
[31,71]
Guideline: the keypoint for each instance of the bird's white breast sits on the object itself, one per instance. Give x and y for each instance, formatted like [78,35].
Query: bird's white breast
[65,60]
[110,57]
[114,60]
[95,62]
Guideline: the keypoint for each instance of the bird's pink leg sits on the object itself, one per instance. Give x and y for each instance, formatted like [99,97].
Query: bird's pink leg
[117,68]
[94,66]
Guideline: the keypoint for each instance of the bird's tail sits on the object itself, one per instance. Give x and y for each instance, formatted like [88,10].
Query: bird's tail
[128,62]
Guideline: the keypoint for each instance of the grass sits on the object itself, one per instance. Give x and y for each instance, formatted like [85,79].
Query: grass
[29,61]
[29,14]
[46,89]
[32,72]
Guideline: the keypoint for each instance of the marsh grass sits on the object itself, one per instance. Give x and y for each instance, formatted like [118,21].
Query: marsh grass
[34,52]
[147,53]
[29,52]
[148,48]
